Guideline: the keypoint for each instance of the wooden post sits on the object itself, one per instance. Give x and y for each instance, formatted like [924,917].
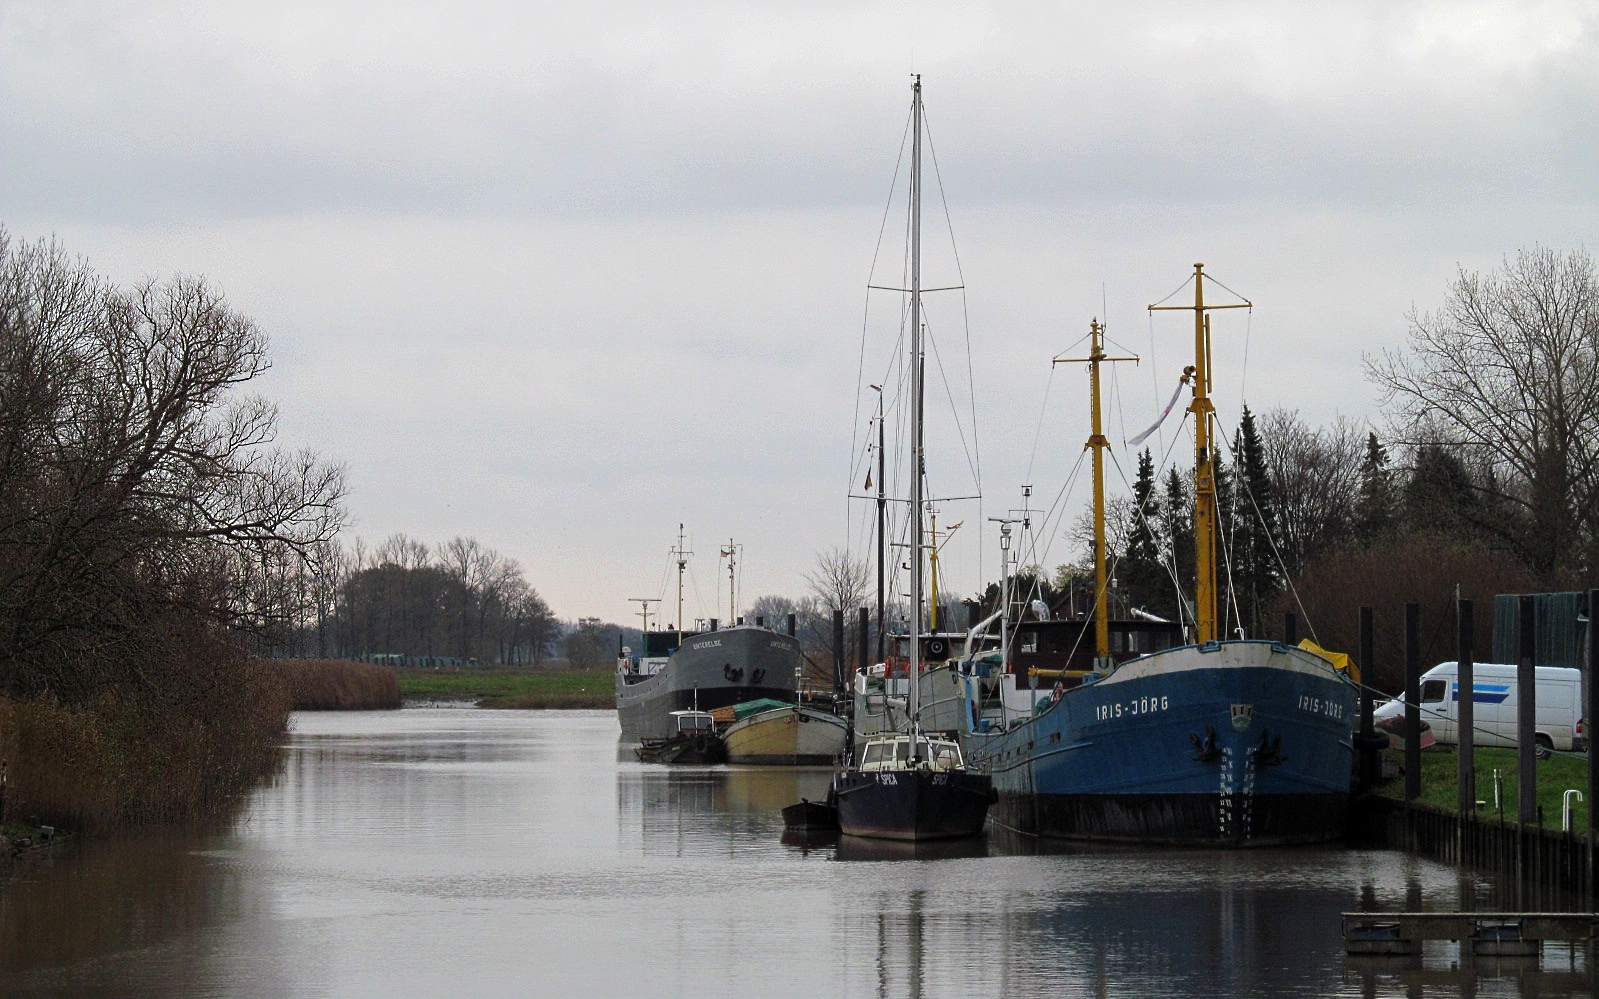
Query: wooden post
[1290,629]
[1371,756]
[838,648]
[864,639]
[1465,715]
[1412,702]
[1591,715]
[791,626]
[1526,713]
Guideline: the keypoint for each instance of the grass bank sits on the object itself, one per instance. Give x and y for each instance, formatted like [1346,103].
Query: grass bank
[336,684]
[512,687]
[1556,775]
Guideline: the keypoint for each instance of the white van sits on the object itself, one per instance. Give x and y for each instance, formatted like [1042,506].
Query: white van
[1558,696]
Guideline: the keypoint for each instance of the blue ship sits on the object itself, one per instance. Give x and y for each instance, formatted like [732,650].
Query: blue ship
[1221,743]
[1238,743]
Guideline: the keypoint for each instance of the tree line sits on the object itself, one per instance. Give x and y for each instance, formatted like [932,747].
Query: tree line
[405,602]
[1479,477]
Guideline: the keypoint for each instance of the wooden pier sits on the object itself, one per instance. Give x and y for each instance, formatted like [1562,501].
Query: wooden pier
[1500,934]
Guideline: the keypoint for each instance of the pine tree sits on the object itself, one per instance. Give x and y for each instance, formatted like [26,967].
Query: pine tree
[1439,496]
[1143,577]
[1377,513]
[1255,575]
[1176,515]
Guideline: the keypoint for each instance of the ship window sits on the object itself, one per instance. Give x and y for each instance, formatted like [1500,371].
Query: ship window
[874,755]
[1029,641]
[1432,691]
[902,752]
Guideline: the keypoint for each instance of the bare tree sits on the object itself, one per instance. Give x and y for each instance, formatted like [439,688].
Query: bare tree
[1316,480]
[137,480]
[839,580]
[838,583]
[1507,371]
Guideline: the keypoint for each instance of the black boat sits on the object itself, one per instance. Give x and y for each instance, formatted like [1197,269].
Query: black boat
[694,740]
[810,817]
[907,786]
[909,790]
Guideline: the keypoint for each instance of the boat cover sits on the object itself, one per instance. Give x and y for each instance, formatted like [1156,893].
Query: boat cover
[747,708]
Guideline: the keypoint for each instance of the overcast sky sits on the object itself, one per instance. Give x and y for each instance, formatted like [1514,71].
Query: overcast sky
[560,276]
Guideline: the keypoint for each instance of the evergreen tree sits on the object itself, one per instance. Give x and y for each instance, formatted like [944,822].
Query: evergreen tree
[1255,576]
[1176,516]
[1142,575]
[1439,496]
[1377,512]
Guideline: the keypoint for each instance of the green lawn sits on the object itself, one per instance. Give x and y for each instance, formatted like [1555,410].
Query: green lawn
[506,687]
[1555,776]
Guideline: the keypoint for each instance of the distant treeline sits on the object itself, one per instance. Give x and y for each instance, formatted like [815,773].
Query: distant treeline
[407,601]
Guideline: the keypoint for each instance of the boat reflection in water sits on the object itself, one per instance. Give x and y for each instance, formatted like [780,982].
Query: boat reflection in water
[462,852]
[864,848]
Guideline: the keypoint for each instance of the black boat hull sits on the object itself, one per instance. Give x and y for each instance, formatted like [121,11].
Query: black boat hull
[696,747]
[912,804]
[808,816]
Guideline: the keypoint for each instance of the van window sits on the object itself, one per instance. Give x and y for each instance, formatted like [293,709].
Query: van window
[1432,691]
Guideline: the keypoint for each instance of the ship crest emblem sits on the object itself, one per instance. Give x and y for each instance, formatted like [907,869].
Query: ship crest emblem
[1243,715]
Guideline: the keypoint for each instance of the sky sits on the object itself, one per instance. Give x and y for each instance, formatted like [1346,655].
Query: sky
[560,277]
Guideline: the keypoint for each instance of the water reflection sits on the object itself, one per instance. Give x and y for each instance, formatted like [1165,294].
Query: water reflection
[430,853]
[679,810]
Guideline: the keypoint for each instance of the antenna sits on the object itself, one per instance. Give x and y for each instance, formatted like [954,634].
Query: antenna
[645,613]
[682,554]
[731,554]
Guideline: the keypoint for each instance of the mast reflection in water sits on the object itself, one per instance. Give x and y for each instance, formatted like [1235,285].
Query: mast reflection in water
[436,853]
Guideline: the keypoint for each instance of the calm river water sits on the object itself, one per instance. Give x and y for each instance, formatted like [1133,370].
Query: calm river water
[455,852]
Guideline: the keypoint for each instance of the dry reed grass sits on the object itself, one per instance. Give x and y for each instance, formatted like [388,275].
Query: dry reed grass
[119,762]
[336,684]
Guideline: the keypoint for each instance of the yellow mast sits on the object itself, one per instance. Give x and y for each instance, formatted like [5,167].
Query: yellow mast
[933,548]
[1096,355]
[1205,602]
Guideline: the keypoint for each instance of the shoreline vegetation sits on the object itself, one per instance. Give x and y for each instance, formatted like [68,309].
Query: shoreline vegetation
[336,684]
[121,760]
[150,527]
[1556,775]
[507,687]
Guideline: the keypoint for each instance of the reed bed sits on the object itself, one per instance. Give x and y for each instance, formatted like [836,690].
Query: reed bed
[336,684]
[119,762]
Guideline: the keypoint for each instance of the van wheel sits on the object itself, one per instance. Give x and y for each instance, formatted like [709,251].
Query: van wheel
[1542,747]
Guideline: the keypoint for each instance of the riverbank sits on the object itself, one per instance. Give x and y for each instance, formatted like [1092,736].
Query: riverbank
[336,684]
[1556,775]
[524,687]
[121,761]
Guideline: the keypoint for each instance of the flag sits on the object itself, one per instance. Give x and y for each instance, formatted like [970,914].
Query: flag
[1163,413]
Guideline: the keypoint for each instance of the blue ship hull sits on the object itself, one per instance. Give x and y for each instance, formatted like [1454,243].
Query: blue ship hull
[1226,744]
